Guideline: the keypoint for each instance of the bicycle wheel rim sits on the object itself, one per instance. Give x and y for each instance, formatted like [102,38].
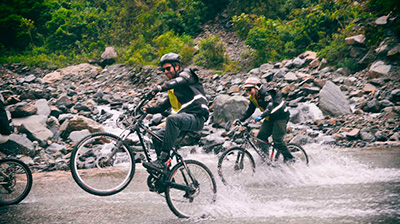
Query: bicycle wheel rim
[298,153]
[18,183]
[235,165]
[94,175]
[194,204]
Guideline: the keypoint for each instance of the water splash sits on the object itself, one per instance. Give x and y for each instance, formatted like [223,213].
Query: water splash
[334,185]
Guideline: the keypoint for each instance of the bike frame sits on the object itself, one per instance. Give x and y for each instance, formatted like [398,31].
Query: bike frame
[138,128]
[250,140]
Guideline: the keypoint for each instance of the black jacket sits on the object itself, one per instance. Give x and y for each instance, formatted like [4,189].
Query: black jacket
[270,102]
[189,93]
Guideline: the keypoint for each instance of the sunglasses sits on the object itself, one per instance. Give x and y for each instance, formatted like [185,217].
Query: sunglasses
[248,89]
[166,68]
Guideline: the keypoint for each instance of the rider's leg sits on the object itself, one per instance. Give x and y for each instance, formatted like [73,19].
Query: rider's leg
[174,125]
[278,132]
[158,144]
[177,123]
[263,134]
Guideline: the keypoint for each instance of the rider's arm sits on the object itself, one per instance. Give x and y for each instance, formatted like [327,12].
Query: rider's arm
[250,110]
[184,78]
[159,108]
[274,105]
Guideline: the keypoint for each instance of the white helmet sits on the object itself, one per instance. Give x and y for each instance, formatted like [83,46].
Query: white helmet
[252,82]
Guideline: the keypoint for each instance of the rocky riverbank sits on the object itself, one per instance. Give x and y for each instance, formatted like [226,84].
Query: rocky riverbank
[52,110]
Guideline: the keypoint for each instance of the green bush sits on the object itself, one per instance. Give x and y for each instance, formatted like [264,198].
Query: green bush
[211,53]
[242,24]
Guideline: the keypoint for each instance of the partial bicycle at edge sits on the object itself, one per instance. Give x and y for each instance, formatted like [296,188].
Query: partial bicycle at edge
[15,181]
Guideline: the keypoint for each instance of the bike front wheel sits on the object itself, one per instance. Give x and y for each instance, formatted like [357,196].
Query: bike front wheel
[190,190]
[15,181]
[297,152]
[235,165]
[101,164]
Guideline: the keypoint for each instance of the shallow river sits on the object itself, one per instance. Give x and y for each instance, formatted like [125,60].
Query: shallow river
[339,186]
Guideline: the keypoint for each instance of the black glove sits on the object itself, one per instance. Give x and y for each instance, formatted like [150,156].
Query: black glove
[150,95]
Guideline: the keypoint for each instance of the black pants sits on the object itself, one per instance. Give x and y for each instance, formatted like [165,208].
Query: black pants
[277,129]
[174,126]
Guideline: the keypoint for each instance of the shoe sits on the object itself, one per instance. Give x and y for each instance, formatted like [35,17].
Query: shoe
[159,164]
[155,165]
[289,161]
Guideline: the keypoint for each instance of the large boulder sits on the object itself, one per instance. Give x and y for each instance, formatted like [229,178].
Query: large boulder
[332,101]
[108,57]
[228,108]
[305,112]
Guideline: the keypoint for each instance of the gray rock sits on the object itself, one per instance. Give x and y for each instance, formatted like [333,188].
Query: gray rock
[382,20]
[227,108]
[305,112]
[76,136]
[42,107]
[332,101]
[380,68]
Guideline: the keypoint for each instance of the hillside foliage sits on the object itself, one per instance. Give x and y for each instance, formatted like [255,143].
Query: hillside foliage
[56,33]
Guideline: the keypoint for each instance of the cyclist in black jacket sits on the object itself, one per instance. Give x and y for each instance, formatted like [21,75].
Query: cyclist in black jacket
[274,113]
[187,99]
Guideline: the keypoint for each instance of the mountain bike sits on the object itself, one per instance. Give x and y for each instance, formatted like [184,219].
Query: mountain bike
[15,181]
[237,162]
[104,164]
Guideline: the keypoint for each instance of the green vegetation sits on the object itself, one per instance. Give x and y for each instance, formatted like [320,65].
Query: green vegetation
[57,33]
[211,53]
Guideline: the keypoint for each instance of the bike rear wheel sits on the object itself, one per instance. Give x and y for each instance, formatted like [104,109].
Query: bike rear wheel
[190,195]
[15,181]
[235,165]
[96,171]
